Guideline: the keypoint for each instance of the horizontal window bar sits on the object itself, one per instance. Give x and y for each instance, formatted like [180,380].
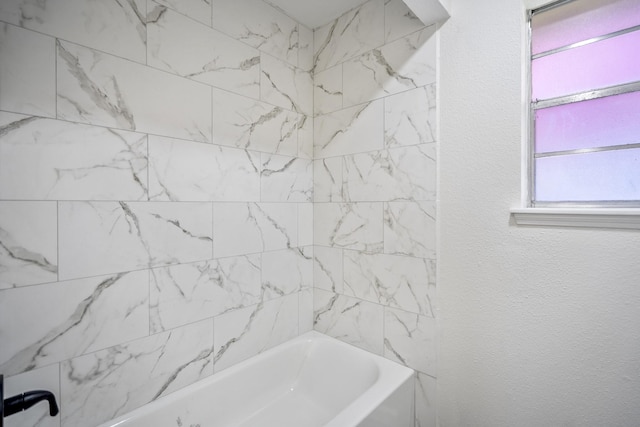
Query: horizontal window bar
[587,150]
[586,42]
[585,96]
[550,6]
[589,204]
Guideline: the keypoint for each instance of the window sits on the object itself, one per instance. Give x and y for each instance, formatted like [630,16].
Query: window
[585,104]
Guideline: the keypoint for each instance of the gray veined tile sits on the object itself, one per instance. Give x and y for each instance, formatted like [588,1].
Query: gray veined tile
[44,159]
[286,179]
[327,94]
[328,269]
[410,339]
[348,319]
[425,398]
[212,57]
[88,315]
[348,131]
[305,48]
[410,117]
[305,310]
[27,71]
[246,123]
[116,27]
[404,173]
[286,86]
[305,137]
[405,64]
[192,171]
[395,281]
[187,293]
[243,333]
[349,225]
[327,180]
[100,386]
[286,272]
[246,228]
[104,237]
[410,228]
[260,25]
[101,89]
[28,243]
[399,20]
[200,10]
[47,378]
[305,224]
[353,33]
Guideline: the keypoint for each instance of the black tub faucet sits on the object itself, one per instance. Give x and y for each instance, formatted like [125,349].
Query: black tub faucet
[24,401]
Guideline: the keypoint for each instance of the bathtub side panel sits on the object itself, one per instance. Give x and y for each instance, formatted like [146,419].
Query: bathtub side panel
[397,410]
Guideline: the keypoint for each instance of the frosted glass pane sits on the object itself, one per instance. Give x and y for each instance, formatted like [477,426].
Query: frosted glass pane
[581,20]
[614,120]
[605,63]
[606,175]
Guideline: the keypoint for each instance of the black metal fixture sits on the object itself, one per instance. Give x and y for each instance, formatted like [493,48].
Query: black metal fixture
[24,401]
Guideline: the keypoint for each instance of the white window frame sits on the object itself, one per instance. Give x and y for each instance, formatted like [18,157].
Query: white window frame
[584,215]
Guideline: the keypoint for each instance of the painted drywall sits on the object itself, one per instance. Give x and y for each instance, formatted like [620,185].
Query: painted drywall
[538,326]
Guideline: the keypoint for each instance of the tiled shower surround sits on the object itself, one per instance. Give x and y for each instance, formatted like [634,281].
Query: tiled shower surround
[185,183]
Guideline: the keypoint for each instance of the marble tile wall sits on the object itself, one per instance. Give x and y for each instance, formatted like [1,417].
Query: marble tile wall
[156,196]
[374,166]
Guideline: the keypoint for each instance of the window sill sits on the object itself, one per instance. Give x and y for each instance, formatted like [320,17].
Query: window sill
[623,218]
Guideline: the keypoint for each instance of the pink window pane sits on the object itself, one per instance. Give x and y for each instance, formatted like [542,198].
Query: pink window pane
[594,66]
[613,120]
[581,20]
[600,176]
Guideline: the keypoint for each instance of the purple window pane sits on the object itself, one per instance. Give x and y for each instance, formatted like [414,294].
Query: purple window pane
[613,120]
[600,176]
[581,20]
[597,65]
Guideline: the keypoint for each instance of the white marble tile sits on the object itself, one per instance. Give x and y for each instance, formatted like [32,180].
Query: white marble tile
[246,123]
[425,401]
[212,57]
[286,272]
[259,25]
[328,269]
[286,179]
[27,71]
[353,33]
[46,159]
[100,386]
[101,89]
[305,310]
[348,319]
[410,339]
[401,65]
[181,170]
[286,86]
[352,130]
[394,281]
[305,224]
[349,225]
[243,333]
[399,20]
[305,137]
[405,173]
[305,48]
[88,315]
[327,92]
[28,243]
[187,293]
[410,228]
[113,27]
[327,180]
[47,378]
[105,237]
[245,228]
[200,10]
[410,117]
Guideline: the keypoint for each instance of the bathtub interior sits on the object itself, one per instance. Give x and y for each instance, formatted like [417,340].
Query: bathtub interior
[311,381]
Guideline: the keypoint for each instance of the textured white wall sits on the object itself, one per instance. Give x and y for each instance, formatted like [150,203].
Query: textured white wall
[539,326]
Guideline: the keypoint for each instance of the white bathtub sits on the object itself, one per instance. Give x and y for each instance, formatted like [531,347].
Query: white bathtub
[310,381]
